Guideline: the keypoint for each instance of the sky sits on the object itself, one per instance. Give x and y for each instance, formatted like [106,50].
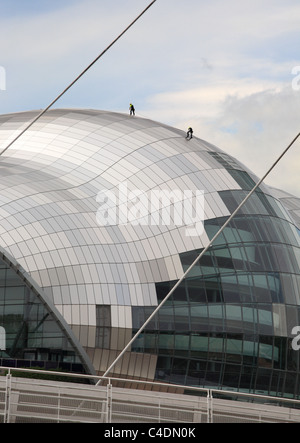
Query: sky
[230,69]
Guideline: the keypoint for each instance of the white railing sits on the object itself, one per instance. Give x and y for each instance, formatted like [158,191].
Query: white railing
[117,400]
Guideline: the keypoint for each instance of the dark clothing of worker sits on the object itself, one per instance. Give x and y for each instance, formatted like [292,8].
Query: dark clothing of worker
[131,109]
[189,134]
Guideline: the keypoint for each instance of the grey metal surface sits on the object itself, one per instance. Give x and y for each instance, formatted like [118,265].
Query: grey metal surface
[50,180]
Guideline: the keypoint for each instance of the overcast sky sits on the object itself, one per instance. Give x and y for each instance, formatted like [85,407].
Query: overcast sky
[229,68]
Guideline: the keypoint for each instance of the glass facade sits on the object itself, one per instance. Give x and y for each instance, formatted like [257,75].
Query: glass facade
[31,336]
[229,324]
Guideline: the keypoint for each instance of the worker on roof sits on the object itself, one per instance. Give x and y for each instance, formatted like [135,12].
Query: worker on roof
[131,109]
[189,133]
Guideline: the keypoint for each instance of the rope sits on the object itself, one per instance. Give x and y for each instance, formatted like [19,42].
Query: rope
[197,259]
[77,78]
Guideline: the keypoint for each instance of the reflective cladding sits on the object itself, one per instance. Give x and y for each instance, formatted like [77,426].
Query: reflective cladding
[238,304]
[103,330]
[31,334]
[229,324]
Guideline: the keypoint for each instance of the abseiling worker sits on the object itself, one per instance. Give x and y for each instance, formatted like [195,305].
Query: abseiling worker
[189,133]
[131,109]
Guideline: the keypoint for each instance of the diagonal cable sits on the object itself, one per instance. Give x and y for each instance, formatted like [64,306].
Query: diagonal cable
[77,78]
[196,260]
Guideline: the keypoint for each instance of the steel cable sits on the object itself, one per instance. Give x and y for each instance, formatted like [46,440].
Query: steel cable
[76,79]
[197,259]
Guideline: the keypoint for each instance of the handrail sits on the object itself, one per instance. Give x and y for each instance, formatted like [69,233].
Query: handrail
[207,391]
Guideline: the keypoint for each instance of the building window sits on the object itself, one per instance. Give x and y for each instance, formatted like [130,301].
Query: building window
[103,326]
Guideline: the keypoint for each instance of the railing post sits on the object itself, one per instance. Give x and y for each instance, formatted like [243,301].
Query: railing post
[159,412]
[210,418]
[7,398]
[58,406]
[109,401]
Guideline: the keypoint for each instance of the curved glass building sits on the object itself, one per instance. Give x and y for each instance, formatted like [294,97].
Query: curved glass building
[97,223]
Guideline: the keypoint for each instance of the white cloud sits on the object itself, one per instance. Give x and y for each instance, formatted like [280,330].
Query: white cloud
[253,122]
[224,67]
[264,124]
[62,32]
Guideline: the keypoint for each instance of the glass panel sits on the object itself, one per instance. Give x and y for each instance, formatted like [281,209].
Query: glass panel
[234,302]
[31,332]
[196,290]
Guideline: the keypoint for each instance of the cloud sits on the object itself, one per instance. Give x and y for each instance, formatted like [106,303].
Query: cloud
[44,52]
[224,67]
[61,32]
[264,124]
[251,121]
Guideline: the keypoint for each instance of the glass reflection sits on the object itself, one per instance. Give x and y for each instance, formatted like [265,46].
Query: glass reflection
[229,322]
[32,336]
